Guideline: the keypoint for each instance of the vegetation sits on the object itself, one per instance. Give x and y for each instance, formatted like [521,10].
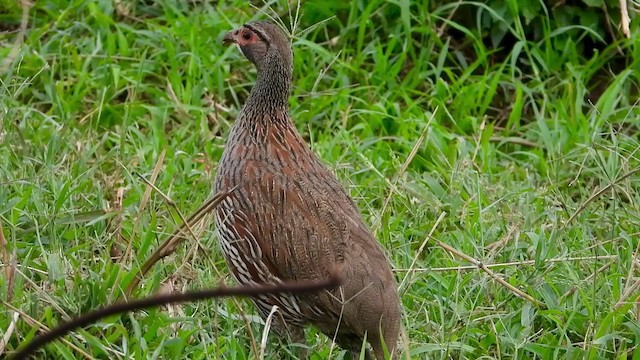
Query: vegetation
[508,132]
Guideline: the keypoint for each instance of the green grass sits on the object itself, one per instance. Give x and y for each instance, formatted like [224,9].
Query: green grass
[511,169]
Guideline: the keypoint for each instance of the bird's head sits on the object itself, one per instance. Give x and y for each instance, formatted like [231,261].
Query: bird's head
[261,42]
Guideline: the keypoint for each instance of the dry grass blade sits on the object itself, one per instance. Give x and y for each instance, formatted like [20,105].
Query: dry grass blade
[178,236]
[275,18]
[495,247]
[167,247]
[513,140]
[265,331]
[189,226]
[145,198]
[43,295]
[154,176]
[9,265]
[7,334]
[630,289]
[574,288]
[598,193]
[17,46]
[35,323]
[630,292]
[404,167]
[415,258]
[404,337]
[143,203]
[493,275]
[116,225]
[310,28]
[293,21]
[624,18]
[322,72]
[179,106]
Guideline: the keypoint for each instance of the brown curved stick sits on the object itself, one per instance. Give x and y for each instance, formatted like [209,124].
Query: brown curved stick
[169,246]
[294,287]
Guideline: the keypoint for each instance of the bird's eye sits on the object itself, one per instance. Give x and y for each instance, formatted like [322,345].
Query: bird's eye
[246,36]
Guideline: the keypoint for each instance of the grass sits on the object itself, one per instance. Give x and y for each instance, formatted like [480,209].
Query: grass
[527,160]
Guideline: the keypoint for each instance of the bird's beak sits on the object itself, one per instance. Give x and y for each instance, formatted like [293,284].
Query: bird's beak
[230,37]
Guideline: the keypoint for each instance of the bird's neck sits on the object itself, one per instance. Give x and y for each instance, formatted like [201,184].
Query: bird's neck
[270,94]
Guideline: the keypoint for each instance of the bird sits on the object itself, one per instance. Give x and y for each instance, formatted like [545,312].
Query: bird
[290,218]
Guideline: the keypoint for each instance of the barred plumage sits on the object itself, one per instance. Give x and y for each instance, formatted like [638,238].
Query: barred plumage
[290,219]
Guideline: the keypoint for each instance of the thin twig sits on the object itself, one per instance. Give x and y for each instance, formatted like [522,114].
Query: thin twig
[512,263]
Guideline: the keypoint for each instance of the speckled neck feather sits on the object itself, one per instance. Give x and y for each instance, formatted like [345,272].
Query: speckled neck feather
[272,88]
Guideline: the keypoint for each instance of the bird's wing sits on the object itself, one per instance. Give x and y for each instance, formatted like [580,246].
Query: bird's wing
[302,233]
